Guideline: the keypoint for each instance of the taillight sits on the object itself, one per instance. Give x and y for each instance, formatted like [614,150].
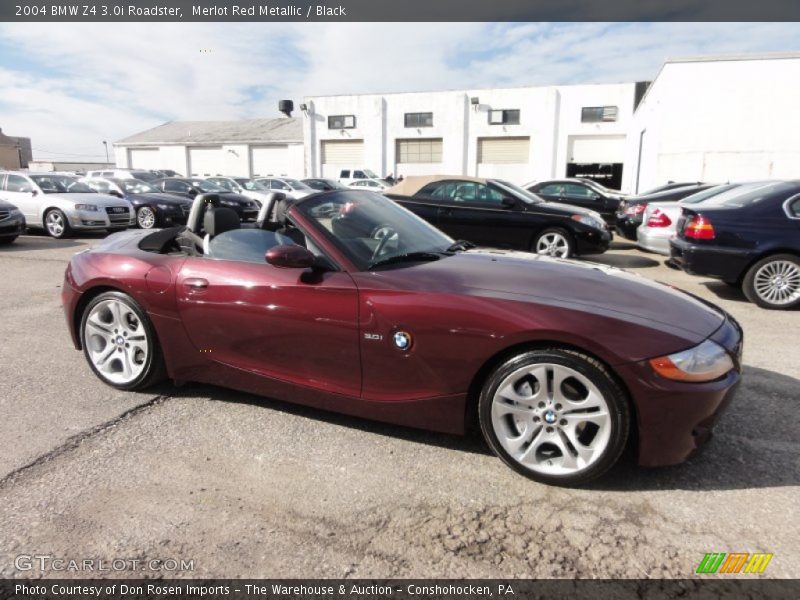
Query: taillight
[699,228]
[659,219]
[636,209]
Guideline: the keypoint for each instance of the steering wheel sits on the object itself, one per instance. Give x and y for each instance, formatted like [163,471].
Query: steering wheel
[382,233]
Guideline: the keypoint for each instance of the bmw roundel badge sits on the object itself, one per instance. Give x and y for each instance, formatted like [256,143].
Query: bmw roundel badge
[402,340]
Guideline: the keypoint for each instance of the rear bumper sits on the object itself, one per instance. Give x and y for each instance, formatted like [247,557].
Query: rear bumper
[626,226]
[718,262]
[654,239]
[675,419]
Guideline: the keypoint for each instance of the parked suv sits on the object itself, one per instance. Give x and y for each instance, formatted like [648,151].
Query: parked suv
[60,204]
[348,176]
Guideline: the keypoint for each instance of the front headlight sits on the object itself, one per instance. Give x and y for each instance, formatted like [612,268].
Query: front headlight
[14,212]
[590,220]
[86,207]
[705,362]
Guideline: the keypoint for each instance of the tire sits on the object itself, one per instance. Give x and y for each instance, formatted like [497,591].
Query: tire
[532,438]
[56,224]
[146,218]
[120,343]
[774,282]
[554,241]
[7,240]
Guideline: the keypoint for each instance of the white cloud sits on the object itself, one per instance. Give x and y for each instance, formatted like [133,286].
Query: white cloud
[69,87]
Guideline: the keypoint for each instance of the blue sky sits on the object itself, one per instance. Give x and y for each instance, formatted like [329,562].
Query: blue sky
[70,86]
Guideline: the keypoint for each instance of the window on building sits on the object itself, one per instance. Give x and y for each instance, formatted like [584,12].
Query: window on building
[598,114]
[504,117]
[342,122]
[419,151]
[424,119]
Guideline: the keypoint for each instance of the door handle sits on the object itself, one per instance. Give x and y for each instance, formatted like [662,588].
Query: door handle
[195,284]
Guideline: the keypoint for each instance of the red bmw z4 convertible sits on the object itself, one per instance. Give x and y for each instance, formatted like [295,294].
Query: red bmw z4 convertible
[348,302]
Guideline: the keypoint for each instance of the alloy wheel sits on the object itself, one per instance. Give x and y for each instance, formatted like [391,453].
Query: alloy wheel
[55,223]
[551,419]
[146,217]
[553,244]
[778,282]
[116,341]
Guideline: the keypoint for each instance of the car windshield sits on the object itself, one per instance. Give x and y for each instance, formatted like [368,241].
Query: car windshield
[207,186]
[517,191]
[371,229]
[134,186]
[295,184]
[145,175]
[61,184]
[748,194]
[252,185]
[706,194]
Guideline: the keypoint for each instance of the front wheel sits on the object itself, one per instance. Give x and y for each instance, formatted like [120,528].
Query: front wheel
[55,221]
[554,415]
[774,282]
[145,217]
[119,342]
[554,242]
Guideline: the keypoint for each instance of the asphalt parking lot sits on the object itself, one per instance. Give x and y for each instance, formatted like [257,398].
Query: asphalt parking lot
[249,487]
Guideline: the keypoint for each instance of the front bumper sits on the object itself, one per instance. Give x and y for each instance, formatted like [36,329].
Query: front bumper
[12,226]
[676,418]
[728,264]
[593,242]
[100,219]
[654,239]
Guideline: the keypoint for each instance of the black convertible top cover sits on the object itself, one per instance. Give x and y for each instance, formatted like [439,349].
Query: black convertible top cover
[158,241]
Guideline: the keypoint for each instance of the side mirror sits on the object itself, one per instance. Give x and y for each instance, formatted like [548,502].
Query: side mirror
[509,202]
[34,192]
[193,192]
[290,257]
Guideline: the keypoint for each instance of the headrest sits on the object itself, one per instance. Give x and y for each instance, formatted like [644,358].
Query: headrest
[199,205]
[219,220]
[282,207]
[266,215]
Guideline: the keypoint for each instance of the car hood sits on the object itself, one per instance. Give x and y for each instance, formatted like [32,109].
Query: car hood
[90,198]
[584,286]
[157,197]
[235,197]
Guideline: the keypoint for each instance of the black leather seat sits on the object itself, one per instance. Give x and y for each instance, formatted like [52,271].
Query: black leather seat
[218,220]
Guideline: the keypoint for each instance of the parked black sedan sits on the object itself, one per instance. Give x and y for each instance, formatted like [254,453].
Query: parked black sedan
[495,213]
[631,210]
[12,222]
[153,207]
[324,185]
[580,192]
[187,187]
[749,239]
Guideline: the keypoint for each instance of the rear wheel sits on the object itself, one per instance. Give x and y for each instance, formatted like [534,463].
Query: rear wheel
[555,415]
[774,282]
[56,224]
[554,242]
[119,342]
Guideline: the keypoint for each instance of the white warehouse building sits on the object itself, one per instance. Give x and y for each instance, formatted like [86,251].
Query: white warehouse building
[247,148]
[518,134]
[717,119]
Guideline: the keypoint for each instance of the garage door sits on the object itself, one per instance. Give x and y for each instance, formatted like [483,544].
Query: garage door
[504,157]
[205,162]
[270,161]
[418,156]
[337,153]
[596,149]
[144,158]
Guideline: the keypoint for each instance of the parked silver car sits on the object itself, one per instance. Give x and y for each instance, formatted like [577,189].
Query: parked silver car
[291,187]
[60,204]
[660,219]
[250,188]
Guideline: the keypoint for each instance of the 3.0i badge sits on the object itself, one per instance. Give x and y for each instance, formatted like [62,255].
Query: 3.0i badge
[403,340]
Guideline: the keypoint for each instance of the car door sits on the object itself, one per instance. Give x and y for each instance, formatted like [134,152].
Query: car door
[475,211]
[423,203]
[20,192]
[274,322]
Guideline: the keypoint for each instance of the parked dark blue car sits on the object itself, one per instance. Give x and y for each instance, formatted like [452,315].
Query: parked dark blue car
[749,239]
